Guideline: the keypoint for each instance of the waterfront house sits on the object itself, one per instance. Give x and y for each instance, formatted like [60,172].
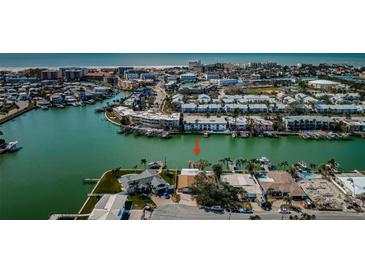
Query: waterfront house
[201,123]
[145,182]
[244,181]
[56,99]
[353,124]
[309,122]
[261,125]
[109,207]
[238,123]
[280,184]
[186,179]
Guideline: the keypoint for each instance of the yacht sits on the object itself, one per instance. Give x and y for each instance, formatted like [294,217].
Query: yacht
[7,147]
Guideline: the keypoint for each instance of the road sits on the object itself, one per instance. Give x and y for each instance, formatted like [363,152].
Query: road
[185,212]
[160,93]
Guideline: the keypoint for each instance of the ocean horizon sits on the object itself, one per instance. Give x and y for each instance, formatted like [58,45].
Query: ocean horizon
[26,60]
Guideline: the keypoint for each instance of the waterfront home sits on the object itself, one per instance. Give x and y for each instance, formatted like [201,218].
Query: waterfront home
[203,99]
[280,184]
[232,107]
[338,109]
[145,182]
[201,123]
[244,181]
[323,193]
[189,107]
[56,99]
[237,123]
[255,108]
[70,100]
[354,183]
[186,179]
[262,125]
[149,118]
[309,122]
[353,124]
[43,103]
[109,207]
[188,77]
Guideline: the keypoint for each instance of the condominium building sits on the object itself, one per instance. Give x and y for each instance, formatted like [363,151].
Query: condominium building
[202,123]
[309,122]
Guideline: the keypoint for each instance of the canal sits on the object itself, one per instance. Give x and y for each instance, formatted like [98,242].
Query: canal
[62,146]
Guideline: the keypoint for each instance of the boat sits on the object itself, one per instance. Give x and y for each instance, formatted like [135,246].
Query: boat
[156,165]
[302,165]
[99,109]
[8,147]
[60,106]
[206,134]
[234,135]
[44,108]
[243,134]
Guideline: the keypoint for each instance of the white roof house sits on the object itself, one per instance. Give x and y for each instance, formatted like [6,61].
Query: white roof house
[109,207]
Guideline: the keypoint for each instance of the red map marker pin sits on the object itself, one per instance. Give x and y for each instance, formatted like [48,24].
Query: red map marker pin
[196,149]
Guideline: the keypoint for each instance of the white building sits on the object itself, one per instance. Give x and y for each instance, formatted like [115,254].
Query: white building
[188,77]
[109,207]
[201,123]
[353,182]
[323,84]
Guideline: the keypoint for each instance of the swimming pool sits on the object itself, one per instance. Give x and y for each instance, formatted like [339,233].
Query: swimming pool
[307,175]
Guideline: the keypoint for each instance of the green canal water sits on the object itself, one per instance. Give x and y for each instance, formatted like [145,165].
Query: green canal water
[63,146]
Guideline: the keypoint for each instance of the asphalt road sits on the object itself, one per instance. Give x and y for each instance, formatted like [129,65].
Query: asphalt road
[185,212]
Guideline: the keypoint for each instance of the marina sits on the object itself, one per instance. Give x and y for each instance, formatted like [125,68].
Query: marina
[63,146]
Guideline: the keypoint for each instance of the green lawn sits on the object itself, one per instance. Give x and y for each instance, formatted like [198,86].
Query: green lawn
[139,202]
[169,176]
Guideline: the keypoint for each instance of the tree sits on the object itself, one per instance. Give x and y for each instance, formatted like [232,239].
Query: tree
[283,164]
[312,166]
[251,166]
[209,193]
[255,217]
[144,162]
[217,169]
[202,164]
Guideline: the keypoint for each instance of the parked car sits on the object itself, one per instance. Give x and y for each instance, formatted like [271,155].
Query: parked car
[217,209]
[245,210]
[284,211]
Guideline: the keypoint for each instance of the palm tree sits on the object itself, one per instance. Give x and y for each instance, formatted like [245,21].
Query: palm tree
[202,164]
[283,164]
[217,169]
[144,162]
[251,166]
[312,166]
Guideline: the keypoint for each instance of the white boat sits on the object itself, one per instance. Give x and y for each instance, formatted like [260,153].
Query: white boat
[8,147]
[234,135]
